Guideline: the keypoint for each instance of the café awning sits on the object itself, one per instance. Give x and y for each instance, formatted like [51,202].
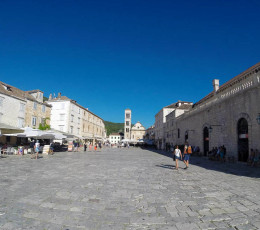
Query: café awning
[8,129]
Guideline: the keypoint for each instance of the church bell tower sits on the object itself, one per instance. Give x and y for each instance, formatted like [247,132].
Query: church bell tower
[127,131]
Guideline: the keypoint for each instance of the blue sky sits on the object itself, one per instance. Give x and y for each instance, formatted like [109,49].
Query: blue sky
[113,55]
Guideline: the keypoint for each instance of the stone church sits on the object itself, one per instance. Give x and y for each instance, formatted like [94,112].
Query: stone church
[135,132]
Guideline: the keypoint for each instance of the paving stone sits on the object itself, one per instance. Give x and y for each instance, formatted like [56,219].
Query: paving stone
[126,189]
[207,225]
[187,226]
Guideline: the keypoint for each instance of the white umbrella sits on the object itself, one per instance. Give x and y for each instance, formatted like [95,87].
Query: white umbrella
[126,140]
[57,135]
[16,135]
[36,133]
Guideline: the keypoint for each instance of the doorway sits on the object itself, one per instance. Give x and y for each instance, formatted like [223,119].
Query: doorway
[206,140]
[243,146]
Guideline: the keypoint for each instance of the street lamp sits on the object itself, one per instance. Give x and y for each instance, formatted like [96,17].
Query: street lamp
[258,119]
[210,127]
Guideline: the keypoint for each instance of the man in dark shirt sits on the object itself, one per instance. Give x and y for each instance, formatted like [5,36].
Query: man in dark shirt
[32,143]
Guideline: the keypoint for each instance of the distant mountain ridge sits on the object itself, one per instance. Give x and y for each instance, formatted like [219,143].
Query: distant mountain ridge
[112,127]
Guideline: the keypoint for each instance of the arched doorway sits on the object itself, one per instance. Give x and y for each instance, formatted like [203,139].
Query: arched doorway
[242,132]
[206,140]
[186,137]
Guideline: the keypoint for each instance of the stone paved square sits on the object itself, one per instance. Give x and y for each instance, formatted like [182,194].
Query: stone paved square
[126,189]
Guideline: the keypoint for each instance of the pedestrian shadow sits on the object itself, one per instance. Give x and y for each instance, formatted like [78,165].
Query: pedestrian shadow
[238,168]
[166,166]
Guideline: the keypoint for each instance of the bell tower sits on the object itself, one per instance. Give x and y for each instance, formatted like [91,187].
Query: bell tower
[127,131]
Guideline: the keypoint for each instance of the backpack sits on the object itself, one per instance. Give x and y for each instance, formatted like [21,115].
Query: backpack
[189,150]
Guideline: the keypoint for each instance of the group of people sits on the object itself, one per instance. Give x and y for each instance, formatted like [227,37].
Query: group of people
[35,149]
[253,158]
[90,146]
[177,156]
[218,153]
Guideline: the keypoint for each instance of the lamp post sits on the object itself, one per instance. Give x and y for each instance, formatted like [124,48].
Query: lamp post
[210,127]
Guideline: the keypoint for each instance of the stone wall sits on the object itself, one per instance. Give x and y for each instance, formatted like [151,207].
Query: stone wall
[241,99]
[10,110]
[38,113]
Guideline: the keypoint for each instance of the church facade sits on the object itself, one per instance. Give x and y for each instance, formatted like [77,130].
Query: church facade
[135,132]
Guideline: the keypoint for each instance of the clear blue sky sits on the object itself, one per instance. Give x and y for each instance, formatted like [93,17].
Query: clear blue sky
[112,55]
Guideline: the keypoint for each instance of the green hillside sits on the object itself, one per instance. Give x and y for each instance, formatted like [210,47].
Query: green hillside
[112,127]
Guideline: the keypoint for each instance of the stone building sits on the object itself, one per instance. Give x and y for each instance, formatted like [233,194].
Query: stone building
[149,133]
[115,138]
[23,108]
[160,123]
[20,109]
[137,131]
[132,133]
[229,115]
[179,108]
[70,117]
[37,111]
[12,106]
[93,127]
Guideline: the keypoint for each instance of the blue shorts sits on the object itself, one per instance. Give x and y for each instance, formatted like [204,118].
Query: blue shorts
[186,157]
[178,158]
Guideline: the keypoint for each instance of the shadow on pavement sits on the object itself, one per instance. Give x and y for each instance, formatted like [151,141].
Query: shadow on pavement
[238,169]
[166,166]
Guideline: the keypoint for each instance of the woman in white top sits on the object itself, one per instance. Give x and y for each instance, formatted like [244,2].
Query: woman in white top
[178,156]
[37,149]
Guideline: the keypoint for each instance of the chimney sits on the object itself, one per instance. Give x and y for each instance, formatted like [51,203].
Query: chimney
[216,85]
[179,103]
[50,97]
[59,95]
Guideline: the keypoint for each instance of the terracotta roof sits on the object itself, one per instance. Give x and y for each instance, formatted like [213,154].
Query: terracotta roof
[114,134]
[231,82]
[17,93]
[34,91]
[63,98]
[175,105]
[185,106]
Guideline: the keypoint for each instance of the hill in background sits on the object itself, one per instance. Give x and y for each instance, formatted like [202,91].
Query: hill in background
[112,127]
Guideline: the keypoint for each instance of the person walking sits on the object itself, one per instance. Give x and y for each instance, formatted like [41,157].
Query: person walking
[75,146]
[51,148]
[186,157]
[37,149]
[177,155]
[32,143]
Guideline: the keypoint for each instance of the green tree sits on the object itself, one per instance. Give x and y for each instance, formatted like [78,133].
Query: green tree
[44,125]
